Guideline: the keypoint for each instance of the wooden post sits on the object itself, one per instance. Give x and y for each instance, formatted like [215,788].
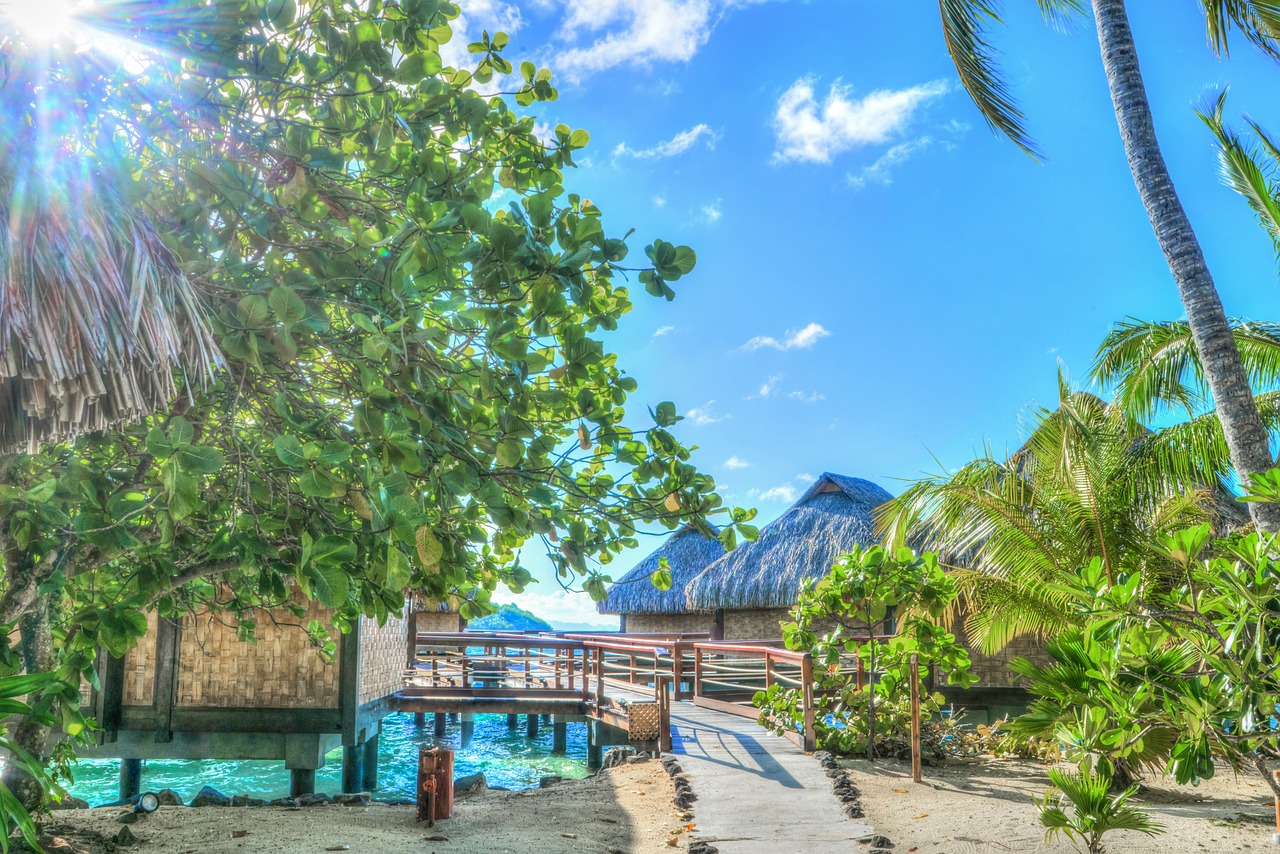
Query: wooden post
[677,669]
[915,717]
[806,693]
[302,781]
[130,779]
[697,672]
[599,678]
[531,726]
[513,721]
[369,776]
[595,753]
[768,671]
[419,719]
[1275,837]
[352,767]
[559,735]
[441,721]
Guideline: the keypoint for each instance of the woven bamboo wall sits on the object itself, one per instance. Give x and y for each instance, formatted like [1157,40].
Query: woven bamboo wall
[282,670]
[139,669]
[383,657]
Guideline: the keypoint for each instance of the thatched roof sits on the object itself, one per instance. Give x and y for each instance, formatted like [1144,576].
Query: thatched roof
[836,513]
[96,314]
[687,552]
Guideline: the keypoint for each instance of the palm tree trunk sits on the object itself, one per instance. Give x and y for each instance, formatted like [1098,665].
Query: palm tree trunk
[1232,396]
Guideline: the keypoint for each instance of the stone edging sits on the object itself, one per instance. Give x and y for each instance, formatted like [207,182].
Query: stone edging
[850,799]
[683,801]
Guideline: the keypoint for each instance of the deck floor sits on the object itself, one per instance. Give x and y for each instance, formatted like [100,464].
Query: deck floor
[757,791]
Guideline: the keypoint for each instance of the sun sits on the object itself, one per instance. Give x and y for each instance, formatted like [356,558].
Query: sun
[41,22]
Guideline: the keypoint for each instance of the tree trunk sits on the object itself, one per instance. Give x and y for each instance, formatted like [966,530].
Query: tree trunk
[37,657]
[1248,441]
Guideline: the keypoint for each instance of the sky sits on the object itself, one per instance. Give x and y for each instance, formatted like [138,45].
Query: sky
[883,286]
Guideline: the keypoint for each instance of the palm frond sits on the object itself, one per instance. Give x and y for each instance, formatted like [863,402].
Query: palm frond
[1257,20]
[1244,170]
[964,28]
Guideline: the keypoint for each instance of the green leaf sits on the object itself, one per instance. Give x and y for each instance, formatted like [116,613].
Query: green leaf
[289,451]
[201,458]
[287,306]
[329,582]
[181,433]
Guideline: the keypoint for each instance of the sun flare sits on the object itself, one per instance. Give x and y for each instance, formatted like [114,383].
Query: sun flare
[43,22]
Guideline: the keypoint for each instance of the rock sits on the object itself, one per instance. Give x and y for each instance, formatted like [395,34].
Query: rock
[472,784]
[210,797]
[638,758]
[353,799]
[876,842]
[314,800]
[70,803]
[284,802]
[127,818]
[125,838]
[549,780]
[615,756]
[170,798]
[699,847]
[504,788]
[246,801]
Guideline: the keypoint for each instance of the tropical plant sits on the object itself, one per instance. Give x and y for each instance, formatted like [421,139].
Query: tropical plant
[409,302]
[965,24]
[843,618]
[1082,807]
[1088,483]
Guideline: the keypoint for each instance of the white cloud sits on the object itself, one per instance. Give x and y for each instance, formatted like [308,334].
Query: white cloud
[705,414]
[805,477]
[881,171]
[711,213]
[784,492]
[769,386]
[659,201]
[807,396]
[801,339]
[735,463]
[678,144]
[816,133]
[635,32]
[662,330]
[556,607]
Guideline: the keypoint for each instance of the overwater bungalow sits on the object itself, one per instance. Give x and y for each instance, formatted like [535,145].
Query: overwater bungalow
[643,608]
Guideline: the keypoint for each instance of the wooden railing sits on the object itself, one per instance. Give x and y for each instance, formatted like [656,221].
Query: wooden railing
[473,662]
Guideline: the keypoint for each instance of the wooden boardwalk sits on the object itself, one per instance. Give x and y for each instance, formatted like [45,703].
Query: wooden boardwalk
[674,694]
[757,792]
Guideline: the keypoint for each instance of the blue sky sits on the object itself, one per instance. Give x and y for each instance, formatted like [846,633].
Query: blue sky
[882,285]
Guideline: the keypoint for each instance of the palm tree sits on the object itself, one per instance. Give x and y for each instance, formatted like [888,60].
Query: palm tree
[1089,483]
[964,24]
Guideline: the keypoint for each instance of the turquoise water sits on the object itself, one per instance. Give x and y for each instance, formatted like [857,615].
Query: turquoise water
[506,756]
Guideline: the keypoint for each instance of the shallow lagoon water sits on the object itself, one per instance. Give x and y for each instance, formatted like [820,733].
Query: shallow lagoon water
[506,756]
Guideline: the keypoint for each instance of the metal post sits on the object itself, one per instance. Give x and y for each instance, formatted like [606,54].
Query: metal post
[513,721]
[595,753]
[419,720]
[468,727]
[915,717]
[559,735]
[531,726]
[440,721]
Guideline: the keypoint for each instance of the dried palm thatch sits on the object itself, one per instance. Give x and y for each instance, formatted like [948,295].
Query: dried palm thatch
[687,552]
[836,513]
[95,314]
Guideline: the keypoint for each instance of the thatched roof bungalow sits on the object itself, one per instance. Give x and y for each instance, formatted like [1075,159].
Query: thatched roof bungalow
[643,607]
[751,589]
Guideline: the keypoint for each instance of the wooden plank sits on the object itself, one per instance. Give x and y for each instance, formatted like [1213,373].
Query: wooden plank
[507,693]
[222,719]
[915,717]
[741,710]
[490,705]
[165,691]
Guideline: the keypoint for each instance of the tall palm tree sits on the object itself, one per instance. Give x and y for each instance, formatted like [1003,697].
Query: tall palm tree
[965,23]
[1089,483]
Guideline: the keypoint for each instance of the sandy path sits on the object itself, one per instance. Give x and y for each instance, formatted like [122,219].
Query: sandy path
[626,809]
[984,805]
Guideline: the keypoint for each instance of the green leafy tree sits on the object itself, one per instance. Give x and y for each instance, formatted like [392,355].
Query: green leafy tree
[965,25]
[1088,483]
[409,304]
[850,615]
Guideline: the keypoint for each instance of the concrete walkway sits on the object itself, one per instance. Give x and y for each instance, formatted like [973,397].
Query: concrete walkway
[757,791]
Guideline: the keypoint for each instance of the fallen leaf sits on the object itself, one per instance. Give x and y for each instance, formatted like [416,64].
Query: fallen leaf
[569,835]
[435,839]
[338,848]
[690,826]
[922,815]
[913,848]
[673,842]
[901,791]
[609,820]
[239,834]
